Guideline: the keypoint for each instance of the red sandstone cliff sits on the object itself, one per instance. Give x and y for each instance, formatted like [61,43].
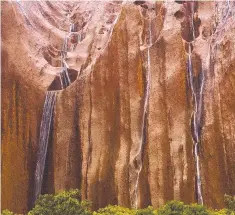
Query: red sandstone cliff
[101,142]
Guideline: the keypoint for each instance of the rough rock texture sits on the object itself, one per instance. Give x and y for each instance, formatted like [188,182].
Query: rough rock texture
[101,142]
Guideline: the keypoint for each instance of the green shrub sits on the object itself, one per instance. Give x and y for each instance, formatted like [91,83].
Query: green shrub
[7,212]
[195,209]
[67,202]
[224,212]
[146,211]
[171,208]
[230,202]
[115,210]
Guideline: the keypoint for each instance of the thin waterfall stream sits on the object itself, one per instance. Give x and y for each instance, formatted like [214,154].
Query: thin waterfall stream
[196,123]
[48,110]
[45,129]
[64,76]
[144,118]
[197,94]
[196,84]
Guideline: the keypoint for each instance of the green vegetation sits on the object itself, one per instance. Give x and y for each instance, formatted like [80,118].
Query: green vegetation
[230,202]
[69,203]
[114,210]
[7,212]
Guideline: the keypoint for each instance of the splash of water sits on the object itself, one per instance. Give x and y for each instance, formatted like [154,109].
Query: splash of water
[45,129]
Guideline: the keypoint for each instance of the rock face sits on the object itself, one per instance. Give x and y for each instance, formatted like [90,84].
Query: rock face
[114,139]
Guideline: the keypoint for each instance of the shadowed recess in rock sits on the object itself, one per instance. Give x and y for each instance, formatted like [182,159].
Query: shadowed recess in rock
[56,83]
[190,22]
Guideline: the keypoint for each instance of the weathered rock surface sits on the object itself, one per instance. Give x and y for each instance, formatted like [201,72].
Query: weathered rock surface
[101,142]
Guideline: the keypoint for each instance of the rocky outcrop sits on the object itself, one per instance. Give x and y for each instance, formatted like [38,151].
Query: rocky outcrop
[103,141]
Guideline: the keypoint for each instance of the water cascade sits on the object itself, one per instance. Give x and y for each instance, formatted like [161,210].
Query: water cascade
[64,76]
[138,157]
[45,129]
[47,117]
[197,94]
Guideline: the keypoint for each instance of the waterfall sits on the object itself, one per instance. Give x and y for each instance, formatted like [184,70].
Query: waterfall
[45,129]
[64,75]
[47,116]
[138,157]
[192,19]
[196,121]
[64,78]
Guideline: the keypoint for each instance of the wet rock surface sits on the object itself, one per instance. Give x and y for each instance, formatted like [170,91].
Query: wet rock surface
[99,141]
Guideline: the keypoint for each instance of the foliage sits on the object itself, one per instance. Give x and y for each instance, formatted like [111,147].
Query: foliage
[195,209]
[67,202]
[7,212]
[230,202]
[115,210]
[179,208]
[223,212]
[171,208]
[147,211]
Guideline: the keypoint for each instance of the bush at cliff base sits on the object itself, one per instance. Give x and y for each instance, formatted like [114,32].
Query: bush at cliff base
[7,212]
[230,202]
[64,203]
[69,203]
[176,207]
[115,210]
[147,211]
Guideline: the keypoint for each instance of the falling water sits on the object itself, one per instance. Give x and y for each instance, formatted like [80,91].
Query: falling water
[197,91]
[146,100]
[64,76]
[43,140]
[196,121]
[192,19]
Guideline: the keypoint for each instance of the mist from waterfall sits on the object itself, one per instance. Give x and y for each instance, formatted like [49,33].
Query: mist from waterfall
[45,130]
